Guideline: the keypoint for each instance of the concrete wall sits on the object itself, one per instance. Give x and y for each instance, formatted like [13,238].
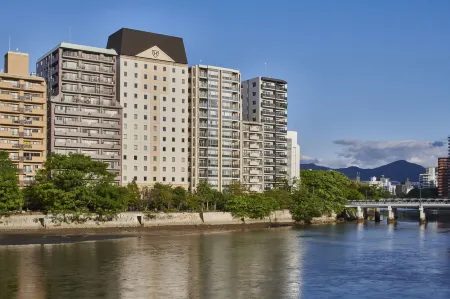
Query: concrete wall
[134,219]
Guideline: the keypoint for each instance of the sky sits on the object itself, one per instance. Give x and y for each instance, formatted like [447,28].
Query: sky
[368,81]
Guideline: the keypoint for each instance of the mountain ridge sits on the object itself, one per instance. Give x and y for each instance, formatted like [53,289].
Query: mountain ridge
[396,171]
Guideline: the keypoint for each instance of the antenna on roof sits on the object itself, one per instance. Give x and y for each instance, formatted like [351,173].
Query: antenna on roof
[9,43]
[265,69]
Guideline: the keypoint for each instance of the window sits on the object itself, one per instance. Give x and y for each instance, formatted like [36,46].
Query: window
[182,80]
[124,74]
[154,88]
[145,127]
[145,158]
[154,138]
[173,119]
[173,109]
[135,106]
[135,85]
[135,126]
[135,96]
[145,107]
[145,96]
[164,108]
[135,168]
[173,169]
[182,90]
[182,149]
[182,169]
[125,126]
[164,99]
[173,159]
[164,138]
[254,102]
[173,139]
[135,158]
[182,139]
[124,115]
[173,80]
[145,148]
[164,159]
[154,128]
[182,120]
[173,89]
[145,117]
[164,178]
[124,105]
[254,93]
[145,76]
[182,159]
[182,71]
[124,157]
[154,158]
[154,168]
[173,179]
[135,75]
[164,148]
[145,137]
[164,69]
[254,84]
[173,149]
[164,79]
[125,84]
[164,88]
[164,169]
[135,64]
[155,78]
[145,86]
[164,129]
[173,129]
[124,177]
[155,98]
[154,107]
[155,68]
[154,117]
[125,94]
[135,178]
[182,101]
[145,178]
[182,179]
[173,70]
[182,110]
[135,116]
[135,147]
[125,63]
[145,66]
[164,118]
[135,137]
[124,167]
[254,110]
[182,130]
[125,136]
[154,179]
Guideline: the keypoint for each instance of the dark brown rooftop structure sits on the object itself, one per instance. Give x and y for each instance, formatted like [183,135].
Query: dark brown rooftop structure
[132,42]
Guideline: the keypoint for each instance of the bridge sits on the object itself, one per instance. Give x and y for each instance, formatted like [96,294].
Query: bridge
[391,204]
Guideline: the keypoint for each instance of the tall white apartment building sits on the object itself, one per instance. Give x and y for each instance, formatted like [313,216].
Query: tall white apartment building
[253,156]
[293,156]
[265,100]
[215,115]
[152,87]
[429,179]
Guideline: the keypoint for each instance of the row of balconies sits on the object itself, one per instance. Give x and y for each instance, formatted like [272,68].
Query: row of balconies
[86,124]
[82,112]
[87,145]
[11,146]
[86,78]
[87,134]
[85,100]
[28,159]
[88,56]
[21,122]
[90,68]
[23,98]
[4,133]
[24,110]
[273,86]
[40,87]
[88,90]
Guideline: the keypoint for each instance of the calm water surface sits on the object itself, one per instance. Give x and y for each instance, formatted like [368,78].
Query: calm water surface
[332,261]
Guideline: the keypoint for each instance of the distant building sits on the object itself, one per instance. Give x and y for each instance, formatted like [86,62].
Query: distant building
[293,156]
[403,189]
[429,178]
[443,177]
[383,183]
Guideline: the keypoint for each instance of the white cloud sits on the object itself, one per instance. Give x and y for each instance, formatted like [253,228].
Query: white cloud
[369,154]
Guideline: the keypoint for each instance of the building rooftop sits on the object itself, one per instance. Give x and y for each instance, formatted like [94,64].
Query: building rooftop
[132,42]
[81,48]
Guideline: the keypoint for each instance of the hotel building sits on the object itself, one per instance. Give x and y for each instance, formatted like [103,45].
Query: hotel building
[215,115]
[152,87]
[22,116]
[83,114]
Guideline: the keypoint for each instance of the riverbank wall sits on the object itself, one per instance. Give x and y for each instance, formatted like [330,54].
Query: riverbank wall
[36,221]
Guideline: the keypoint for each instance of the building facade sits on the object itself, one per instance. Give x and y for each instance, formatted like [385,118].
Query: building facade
[22,116]
[293,156]
[83,114]
[152,87]
[265,100]
[253,156]
[443,177]
[429,179]
[215,115]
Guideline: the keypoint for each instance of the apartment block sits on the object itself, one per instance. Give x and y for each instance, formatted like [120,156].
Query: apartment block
[253,156]
[293,157]
[215,115]
[429,179]
[152,87]
[443,177]
[265,100]
[22,116]
[83,114]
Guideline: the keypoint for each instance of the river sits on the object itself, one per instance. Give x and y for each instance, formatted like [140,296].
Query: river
[351,260]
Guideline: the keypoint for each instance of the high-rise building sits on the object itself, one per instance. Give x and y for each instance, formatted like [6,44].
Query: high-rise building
[265,100]
[152,86]
[443,177]
[83,114]
[215,115]
[429,178]
[253,156]
[22,116]
[293,156]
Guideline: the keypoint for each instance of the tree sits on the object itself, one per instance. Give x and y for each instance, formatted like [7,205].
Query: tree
[205,194]
[282,197]
[305,205]
[161,197]
[179,197]
[10,195]
[75,183]
[135,201]
[373,192]
[254,205]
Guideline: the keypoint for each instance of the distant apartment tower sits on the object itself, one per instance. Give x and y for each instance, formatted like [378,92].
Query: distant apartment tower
[22,116]
[215,114]
[265,100]
[443,177]
[83,114]
[253,156]
[293,156]
[152,86]
[429,178]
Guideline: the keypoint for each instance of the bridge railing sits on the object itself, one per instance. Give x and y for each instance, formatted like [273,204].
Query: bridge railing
[400,201]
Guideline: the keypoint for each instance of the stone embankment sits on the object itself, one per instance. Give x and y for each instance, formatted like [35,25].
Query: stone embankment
[37,221]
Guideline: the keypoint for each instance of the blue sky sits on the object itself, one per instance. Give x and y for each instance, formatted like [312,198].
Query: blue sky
[368,81]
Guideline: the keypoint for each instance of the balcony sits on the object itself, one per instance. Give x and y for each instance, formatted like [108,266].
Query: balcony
[9,109]
[254,146]
[281,114]
[33,159]
[268,86]
[255,129]
[255,171]
[267,104]
[267,95]
[281,88]
[9,85]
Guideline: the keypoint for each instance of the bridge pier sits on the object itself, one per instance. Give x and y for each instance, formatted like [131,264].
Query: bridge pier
[365,213]
[391,215]
[422,215]
[359,214]
[377,215]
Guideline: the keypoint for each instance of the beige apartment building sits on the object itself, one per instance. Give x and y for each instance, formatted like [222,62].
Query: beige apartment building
[215,115]
[22,116]
[253,156]
[83,114]
[152,87]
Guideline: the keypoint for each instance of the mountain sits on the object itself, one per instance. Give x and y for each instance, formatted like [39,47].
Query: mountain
[396,171]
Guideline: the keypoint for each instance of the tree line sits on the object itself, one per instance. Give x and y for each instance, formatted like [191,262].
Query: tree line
[76,184]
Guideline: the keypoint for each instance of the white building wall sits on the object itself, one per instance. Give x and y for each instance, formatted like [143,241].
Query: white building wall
[293,156]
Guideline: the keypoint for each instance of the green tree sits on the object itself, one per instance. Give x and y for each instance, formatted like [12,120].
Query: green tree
[161,197]
[135,202]
[305,205]
[75,183]
[373,192]
[254,205]
[10,194]
[179,198]
[205,194]
[282,197]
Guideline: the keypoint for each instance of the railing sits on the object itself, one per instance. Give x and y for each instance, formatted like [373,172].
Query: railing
[395,201]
